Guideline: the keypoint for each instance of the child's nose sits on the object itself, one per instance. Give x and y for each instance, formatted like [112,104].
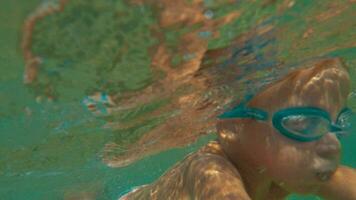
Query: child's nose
[328,146]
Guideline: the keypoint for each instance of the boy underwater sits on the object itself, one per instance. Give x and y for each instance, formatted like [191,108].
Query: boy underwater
[284,140]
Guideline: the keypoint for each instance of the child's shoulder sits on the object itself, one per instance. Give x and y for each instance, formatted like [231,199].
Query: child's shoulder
[210,175]
[210,160]
[205,174]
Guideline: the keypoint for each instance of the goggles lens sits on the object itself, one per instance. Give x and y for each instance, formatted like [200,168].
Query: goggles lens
[342,126]
[344,119]
[306,126]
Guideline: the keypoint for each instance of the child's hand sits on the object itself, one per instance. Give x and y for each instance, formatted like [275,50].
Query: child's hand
[342,185]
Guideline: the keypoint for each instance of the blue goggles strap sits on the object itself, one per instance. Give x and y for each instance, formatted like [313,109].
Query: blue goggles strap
[243,112]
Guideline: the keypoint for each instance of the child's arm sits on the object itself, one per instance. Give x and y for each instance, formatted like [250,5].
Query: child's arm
[342,185]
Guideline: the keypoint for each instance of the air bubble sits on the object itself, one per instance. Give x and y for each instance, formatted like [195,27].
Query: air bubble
[209,14]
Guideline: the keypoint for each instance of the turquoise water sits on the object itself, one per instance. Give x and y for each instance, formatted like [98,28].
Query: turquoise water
[53,149]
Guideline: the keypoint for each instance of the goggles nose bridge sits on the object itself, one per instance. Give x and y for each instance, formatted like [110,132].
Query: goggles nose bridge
[335,128]
[338,130]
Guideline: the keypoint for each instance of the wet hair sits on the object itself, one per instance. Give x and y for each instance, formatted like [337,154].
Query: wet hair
[252,96]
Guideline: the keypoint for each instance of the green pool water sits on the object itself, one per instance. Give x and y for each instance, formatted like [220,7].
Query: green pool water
[49,150]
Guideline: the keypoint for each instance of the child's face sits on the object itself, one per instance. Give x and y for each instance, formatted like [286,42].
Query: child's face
[298,166]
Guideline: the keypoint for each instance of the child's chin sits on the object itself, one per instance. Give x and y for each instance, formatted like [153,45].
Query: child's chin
[307,181]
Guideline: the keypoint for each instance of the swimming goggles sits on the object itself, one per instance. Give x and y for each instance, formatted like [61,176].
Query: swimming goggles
[303,124]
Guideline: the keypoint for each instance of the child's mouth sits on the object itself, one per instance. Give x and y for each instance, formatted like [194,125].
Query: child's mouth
[325,175]
[324,169]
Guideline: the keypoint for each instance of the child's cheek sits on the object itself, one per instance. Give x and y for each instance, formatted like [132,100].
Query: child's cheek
[289,163]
